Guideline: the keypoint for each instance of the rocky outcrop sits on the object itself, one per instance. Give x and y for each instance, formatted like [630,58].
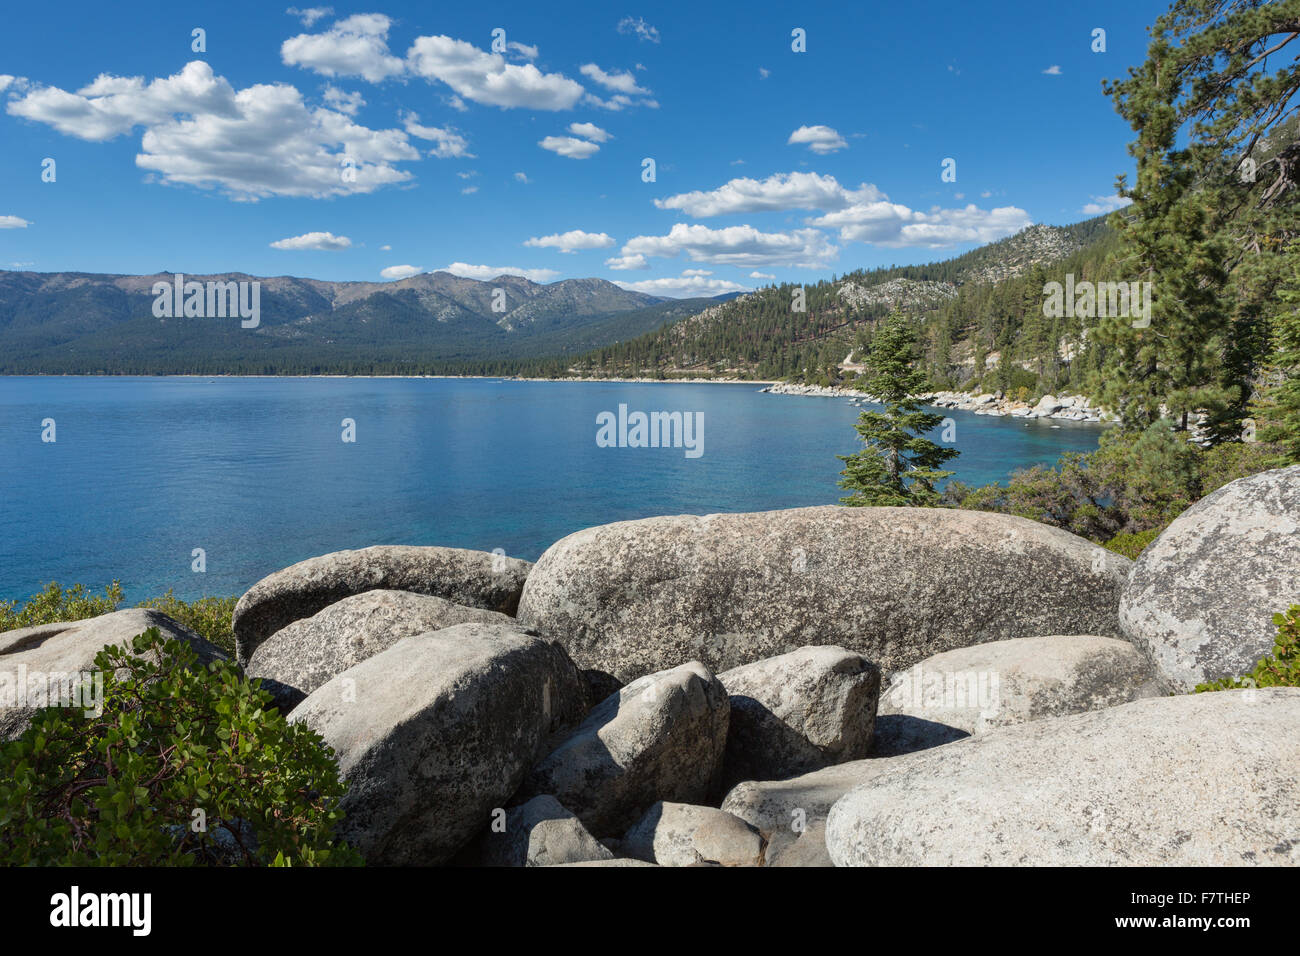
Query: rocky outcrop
[798,802]
[541,832]
[798,712]
[895,585]
[297,659]
[1195,780]
[680,834]
[1201,598]
[46,664]
[659,738]
[473,578]
[974,689]
[439,730]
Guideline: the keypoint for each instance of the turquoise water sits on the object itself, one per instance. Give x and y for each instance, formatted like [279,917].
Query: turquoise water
[254,471]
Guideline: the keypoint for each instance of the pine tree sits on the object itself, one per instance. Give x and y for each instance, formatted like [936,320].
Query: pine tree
[898,465]
[1278,408]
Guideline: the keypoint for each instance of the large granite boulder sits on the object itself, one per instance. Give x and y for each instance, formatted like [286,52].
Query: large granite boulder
[44,664]
[1194,780]
[297,659]
[472,578]
[540,832]
[893,584]
[1201,598]
[682,834]
[659,738]
[436,732]
[796,803]
[798,712]
[974,689]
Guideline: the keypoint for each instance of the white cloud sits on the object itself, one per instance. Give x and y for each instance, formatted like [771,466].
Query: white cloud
[14,84]
[356,46]
[617,102]
[487,78]
[1102,204]
[638,28]
[761,275]
[889,224]
[684,286]
[400,272]
[737,246]
[469,190]
[778,192]
[1053,70]
[618,82]
[625,263]
[314,240]
[572,241]
[449,144]
[522,178]
[589,131]
[311,14]
[467,271]
[385,248]
[521,49]
[199,131]
[764,72]
[13,222]
[569,146]
[697,272]
[820,139]
[348,103]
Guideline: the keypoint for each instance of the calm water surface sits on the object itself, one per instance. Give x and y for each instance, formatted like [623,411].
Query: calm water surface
[254,471]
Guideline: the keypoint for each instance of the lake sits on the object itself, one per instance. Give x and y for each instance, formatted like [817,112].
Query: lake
[255,471]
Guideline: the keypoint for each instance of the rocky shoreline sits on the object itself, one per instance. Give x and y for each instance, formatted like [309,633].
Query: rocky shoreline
[825,686]
[1072,408]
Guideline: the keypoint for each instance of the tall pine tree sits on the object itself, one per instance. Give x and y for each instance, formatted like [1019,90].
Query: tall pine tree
[898,465]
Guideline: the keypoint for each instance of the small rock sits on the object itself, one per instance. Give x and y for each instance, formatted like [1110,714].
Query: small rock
[680,834]
[540,832]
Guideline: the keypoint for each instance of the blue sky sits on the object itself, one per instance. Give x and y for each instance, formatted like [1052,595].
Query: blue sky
[351,143]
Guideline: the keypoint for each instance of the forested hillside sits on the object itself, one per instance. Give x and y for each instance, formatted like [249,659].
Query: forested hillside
[981,310]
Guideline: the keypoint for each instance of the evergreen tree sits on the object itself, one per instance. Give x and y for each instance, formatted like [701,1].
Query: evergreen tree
[898,465]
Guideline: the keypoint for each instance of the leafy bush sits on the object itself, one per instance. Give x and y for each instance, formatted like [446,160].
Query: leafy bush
[1134,482]
[1279,669]
[183,766]
[209,617]
[56,604]
[1130,544]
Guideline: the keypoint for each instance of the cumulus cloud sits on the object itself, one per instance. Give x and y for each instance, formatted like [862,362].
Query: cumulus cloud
[569,146]
[467,271]
[890,224]
[572,241]
[13,222]
[1053,70]
[1103,204]
[313,240]
[779,192]
[348,103]
[820,139]
[311,14]
[13,84]
[761,275]
[355,46]
[252,143]
[400,272]
[488,78]
[618,82]
[637,27]
[623,263]
[449,144]
[589,131]
[687,285]
[737,246]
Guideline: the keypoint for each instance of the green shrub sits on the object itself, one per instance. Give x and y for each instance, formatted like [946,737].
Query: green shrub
[1130,544]
[208,617]
[182,766]
[56,604]
[1279,669]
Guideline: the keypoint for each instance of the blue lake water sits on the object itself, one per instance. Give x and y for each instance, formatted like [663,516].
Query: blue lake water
[255,472]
